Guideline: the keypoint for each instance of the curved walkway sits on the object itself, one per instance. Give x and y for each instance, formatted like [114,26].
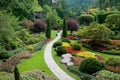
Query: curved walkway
[60,74]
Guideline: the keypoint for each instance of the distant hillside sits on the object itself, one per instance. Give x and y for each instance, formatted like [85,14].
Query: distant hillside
[80,3]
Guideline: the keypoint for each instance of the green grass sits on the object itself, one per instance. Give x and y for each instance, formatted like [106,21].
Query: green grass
[57,59]
[36,62]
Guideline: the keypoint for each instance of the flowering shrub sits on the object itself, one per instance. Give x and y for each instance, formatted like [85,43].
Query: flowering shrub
[71,37]
[86,54]
[65,44]
[72,50]
[48,39]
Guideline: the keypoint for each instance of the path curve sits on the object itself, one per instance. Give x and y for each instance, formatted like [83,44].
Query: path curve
[60,74]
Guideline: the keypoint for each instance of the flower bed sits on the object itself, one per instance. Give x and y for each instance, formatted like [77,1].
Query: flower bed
[70,49]
[65,44]
[86,54]
[112,68]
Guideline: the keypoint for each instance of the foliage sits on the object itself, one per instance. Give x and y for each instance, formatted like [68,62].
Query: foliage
[39,26]
[52,15]
[102,16]
[113,62]
[57,27]
[65,40]
[16,73]
[94,30]
[30,48]
[60,50]
[64,34]
[112,51]
[90,65]
[56,44]
[108,75]
[76,46]
[72,24]
[86,19]
[83,76]
[28,24]
[4,54]
[48,31]
[113,22]
[6,26]
[45,2]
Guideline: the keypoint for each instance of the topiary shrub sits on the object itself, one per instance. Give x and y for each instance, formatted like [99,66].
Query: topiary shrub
[66,40]
[39,26]
[76,46]
[56,44]
[86,19]
[61,50]
[90,65]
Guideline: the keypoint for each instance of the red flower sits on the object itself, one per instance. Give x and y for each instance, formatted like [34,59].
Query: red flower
[47,39]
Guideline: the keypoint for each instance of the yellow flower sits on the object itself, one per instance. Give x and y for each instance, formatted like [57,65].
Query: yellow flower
[65,44]
[86,54]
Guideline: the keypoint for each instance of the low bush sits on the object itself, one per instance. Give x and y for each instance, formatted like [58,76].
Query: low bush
[56,44]
[112,51]
[66,40]
[60,50]
[30,48]
[113,62]
[90,65]
[83,76]
[5,54]
[107,75]
[76,46]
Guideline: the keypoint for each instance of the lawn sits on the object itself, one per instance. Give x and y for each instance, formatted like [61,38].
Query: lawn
[37,61]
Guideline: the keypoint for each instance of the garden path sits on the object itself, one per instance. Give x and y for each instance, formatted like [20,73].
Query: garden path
[60,74]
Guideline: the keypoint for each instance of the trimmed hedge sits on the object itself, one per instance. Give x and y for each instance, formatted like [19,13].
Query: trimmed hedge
[61,50]
[56,44]
[76,46]
[112,52]
[66,40]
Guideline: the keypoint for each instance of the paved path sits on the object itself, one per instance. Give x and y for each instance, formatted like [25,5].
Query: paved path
[61,75]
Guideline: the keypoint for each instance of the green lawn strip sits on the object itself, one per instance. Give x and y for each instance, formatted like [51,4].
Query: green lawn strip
[57,60]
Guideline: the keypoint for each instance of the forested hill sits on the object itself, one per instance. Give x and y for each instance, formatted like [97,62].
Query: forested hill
[82,3]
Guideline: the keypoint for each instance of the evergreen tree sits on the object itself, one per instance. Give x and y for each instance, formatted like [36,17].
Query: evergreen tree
[48,31]
[64,34]
[16,73]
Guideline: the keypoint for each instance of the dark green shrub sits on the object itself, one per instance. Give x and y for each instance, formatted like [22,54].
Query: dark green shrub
[48,31]
[14,45]
[76,46]
[16,73]
[64,34]
[86,19]
[66,40]
[83,76]
[112,51]
[56,44]
[61,50]
[5,54]
[90,65]
[113,62]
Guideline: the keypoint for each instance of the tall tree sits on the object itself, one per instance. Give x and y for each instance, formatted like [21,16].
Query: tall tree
[16,73]
[48,31]
[64,34]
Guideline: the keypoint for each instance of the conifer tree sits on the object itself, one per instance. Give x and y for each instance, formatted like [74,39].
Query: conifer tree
[64,34]
[48,31]
[16,73]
